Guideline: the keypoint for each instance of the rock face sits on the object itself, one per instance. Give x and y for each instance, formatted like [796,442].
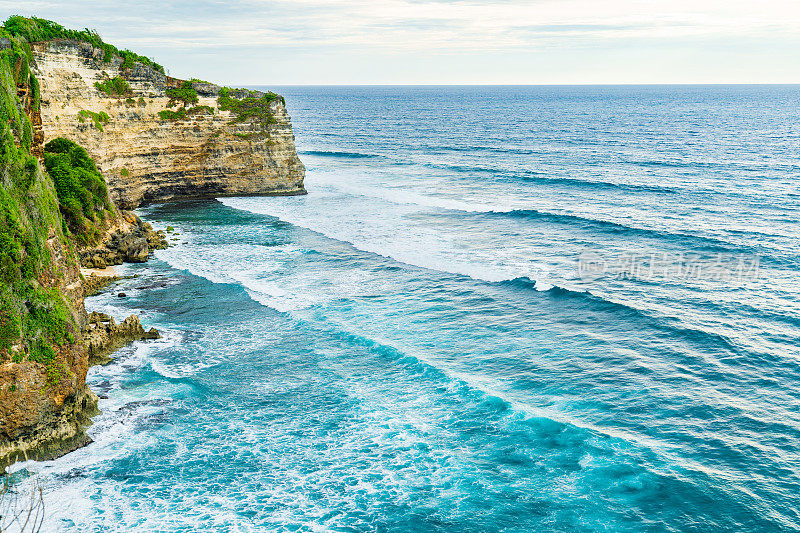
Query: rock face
[148,159]
[43,426]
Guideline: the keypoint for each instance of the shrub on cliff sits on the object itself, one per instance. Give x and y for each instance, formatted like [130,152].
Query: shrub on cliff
[185,93]
[115,86]
[168,114]
[98,119]
[200,110]
[251,107]
[81,189]
[183,112]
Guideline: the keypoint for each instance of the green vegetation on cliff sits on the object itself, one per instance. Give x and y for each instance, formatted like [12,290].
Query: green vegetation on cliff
[250,107]
[200,110]
[81,189]
[98,119]
[34,29]
[115,86]
[183,112]
[35,322]
[15,72]
[169,114]
[185,93]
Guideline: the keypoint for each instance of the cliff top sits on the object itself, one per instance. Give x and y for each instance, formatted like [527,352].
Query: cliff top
[34,30]
[37,30]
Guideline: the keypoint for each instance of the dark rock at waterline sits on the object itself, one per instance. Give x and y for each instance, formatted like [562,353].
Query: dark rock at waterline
[122,295]
[51,446]
[134,249]
[131,241]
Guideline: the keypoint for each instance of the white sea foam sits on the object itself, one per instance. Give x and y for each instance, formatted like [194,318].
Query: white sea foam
[73,499]
[404,194]
[398,233]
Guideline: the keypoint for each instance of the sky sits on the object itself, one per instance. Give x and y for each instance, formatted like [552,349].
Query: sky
[327,42]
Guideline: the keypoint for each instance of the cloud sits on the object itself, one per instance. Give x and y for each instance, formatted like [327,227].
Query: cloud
[419,24]
[422,28]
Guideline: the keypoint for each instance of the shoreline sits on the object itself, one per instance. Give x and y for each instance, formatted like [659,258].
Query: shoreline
[101,338]
[108,272]
[220,141]
[95,280]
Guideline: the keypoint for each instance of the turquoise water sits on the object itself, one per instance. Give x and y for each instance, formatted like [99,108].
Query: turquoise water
[497,309]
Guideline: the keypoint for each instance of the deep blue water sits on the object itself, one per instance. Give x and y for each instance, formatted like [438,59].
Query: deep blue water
[497,309]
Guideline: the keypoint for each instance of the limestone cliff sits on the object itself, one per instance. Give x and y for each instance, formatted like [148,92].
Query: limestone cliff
[146,158]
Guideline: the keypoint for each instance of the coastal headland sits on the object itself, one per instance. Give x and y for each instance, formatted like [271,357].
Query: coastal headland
[90,132]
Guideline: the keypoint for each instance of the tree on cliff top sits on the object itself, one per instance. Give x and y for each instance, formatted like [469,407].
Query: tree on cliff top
[81,189]
[184,93]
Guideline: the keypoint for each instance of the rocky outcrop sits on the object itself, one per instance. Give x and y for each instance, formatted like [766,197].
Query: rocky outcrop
[43,416]
[129,241]
[44,408]
[94,284]
[149,159]
[103,336]
[42,426]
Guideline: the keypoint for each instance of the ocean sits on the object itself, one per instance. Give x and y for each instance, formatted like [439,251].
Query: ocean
[506,309]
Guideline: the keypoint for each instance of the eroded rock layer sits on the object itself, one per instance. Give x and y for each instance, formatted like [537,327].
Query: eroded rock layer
[127,240]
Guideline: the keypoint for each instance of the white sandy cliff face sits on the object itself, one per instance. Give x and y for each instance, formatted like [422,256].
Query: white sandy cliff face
[146,159]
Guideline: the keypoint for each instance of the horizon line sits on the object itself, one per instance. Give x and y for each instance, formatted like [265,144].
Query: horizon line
[624,84]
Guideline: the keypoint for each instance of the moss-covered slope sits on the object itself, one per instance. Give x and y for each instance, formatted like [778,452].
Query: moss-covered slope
[35,321]
[42,364]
